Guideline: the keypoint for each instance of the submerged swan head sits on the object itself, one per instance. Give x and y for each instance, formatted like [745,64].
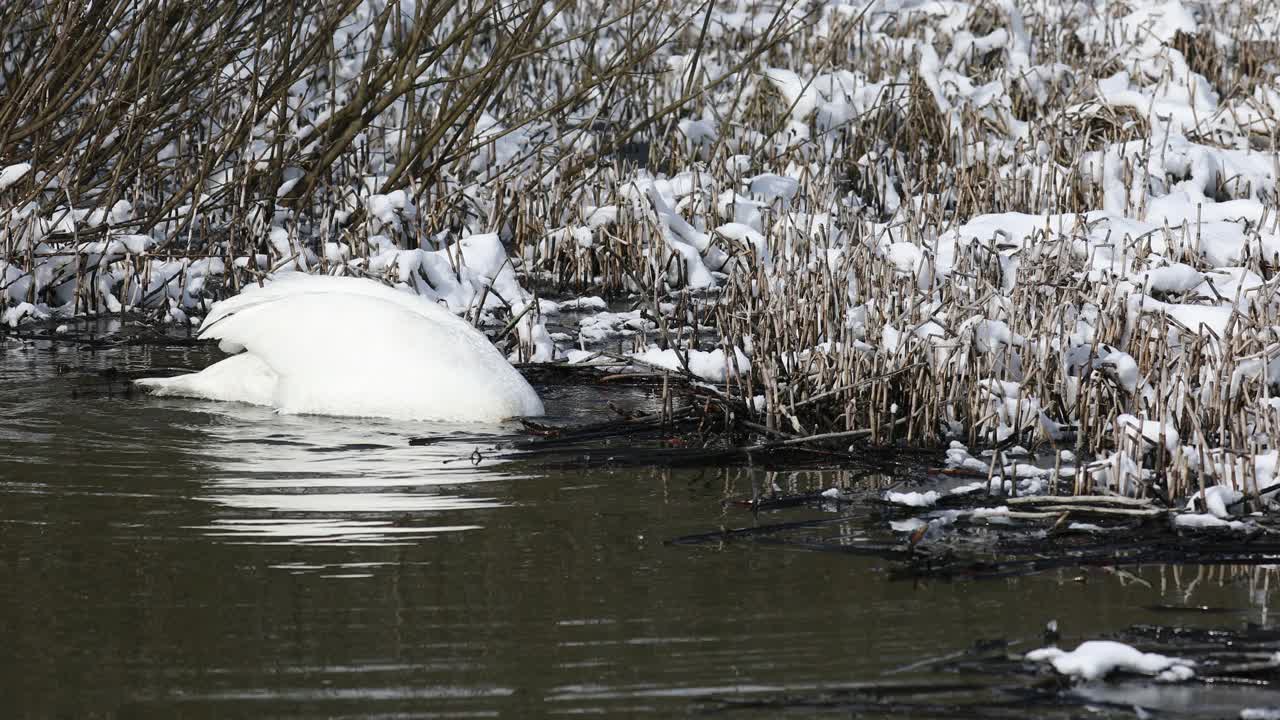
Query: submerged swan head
[355,347]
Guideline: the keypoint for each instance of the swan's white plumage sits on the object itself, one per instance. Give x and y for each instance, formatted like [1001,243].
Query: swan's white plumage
[348,346]
[239,378]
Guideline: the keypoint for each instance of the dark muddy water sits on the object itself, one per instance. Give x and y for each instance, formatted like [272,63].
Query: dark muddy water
[166,558]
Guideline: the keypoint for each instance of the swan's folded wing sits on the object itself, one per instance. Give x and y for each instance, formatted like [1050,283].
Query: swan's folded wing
[286,285]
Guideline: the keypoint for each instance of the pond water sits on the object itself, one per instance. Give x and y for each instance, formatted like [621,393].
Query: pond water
[161,557]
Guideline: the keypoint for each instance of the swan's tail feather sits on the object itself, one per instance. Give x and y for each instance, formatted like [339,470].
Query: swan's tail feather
[239,378]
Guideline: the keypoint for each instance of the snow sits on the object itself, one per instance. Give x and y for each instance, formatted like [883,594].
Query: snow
[23,310]
[575,357]
[913,499]
[583,303]
[698,132]
[1152,432]
[355,347]
[713,366]
[606,325]
[1199,521]
[773,187]
[11,174]
[136,244]
[1175,278]
[909,525]
[1085,527]
[991,513]
[1215,500]
[1095,659]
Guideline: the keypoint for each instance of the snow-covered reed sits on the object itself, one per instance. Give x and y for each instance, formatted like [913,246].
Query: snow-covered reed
[1000,222]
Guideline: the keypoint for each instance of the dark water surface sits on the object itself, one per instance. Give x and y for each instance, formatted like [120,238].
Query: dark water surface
[169,558]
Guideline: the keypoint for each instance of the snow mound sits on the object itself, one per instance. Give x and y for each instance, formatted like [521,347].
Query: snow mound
[713,366]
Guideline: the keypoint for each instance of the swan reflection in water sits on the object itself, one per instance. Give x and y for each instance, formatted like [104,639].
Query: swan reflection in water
[315,480]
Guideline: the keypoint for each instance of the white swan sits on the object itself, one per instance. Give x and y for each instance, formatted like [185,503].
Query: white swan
[350,346]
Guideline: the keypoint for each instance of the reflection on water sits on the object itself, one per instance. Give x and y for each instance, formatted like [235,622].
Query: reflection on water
[166,558]
[306,479]
[320,530]
[1207,700]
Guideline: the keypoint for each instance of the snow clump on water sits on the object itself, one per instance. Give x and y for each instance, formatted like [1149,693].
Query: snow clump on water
[1095,659]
